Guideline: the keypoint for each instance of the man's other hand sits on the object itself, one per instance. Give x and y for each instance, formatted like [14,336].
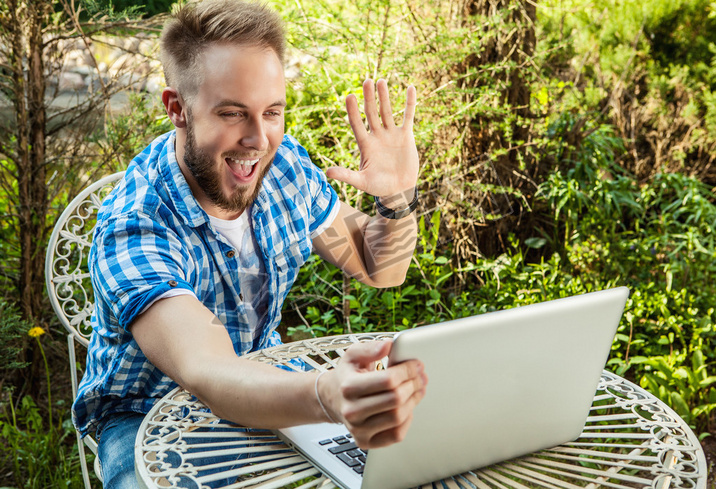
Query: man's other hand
[375,405]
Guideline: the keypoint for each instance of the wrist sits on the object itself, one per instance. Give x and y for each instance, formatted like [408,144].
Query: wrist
[398,205]
[319,398]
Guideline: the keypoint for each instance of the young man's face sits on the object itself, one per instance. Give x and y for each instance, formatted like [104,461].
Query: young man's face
[234,127]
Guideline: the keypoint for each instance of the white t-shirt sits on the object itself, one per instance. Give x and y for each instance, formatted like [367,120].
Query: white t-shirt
[253,281]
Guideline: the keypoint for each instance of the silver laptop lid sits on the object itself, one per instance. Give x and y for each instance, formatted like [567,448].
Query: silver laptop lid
[501,385]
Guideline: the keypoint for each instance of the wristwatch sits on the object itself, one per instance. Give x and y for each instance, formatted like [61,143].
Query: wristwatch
[397,214]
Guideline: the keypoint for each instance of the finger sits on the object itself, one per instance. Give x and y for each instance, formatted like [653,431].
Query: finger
[363,408]
[387,427]
[354,117]
[370,105]
[386,435]
[345,175]
[390,436]
[367,352]
[411,101]
[386,111]
[372,383]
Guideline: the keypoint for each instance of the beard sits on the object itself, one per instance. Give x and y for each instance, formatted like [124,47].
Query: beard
[204,170]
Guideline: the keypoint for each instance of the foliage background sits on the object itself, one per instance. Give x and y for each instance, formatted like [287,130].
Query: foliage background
[603,177]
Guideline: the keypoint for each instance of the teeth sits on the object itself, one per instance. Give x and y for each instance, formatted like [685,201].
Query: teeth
[245,164]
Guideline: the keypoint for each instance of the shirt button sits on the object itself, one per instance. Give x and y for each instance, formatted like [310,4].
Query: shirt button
[172,283]
[230,253]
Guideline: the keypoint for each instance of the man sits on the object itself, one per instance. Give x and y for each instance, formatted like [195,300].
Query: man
[198,246]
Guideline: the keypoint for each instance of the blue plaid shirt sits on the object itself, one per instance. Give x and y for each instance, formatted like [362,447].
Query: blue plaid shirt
[152,236]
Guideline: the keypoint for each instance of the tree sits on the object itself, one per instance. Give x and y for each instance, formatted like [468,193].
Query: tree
[496,141]
[49,144]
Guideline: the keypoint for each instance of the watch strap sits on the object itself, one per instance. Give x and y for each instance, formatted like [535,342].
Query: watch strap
[397,214]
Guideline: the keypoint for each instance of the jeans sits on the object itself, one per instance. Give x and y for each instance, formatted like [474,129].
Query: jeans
[117,435]
[116,450]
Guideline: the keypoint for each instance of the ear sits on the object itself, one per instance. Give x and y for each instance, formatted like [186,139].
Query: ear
[175,107]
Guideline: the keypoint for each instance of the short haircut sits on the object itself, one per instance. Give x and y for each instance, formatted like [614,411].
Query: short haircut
[195,26]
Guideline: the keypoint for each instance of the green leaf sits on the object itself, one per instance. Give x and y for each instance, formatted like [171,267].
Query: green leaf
[697,361]
[680,405]
[409,290]
[653,383]
[535,243]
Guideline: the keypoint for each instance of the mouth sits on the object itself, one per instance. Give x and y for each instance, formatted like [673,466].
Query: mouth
[242,168]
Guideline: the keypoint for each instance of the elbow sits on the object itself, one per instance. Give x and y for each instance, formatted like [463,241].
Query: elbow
[198,377]
[194,383]
[396,282]
[204,389]
[386,281]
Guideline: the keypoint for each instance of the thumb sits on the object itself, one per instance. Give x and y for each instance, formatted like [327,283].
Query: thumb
[345,175]
[363,354]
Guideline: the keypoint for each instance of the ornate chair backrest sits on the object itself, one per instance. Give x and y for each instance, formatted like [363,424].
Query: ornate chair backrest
[68,282]
[66,269]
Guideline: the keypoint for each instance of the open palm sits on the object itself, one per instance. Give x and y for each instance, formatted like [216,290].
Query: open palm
[389,160]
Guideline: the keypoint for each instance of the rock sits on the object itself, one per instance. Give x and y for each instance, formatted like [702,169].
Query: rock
[71,81]
[84,70]
[131,44]
[154,84]
[78,57]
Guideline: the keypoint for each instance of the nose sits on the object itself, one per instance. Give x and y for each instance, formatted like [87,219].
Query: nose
[254,136]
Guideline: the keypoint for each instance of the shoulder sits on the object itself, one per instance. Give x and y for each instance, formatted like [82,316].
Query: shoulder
[139,190]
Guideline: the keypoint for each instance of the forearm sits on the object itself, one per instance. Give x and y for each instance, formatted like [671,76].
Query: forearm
[188,343]
[388,247]
[375,250]
[256,395]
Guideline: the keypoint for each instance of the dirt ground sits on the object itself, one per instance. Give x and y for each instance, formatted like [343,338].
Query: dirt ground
[709,445]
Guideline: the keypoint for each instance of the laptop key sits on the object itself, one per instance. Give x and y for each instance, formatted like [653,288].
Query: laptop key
[358,469]
[343,448]
[349,461]
[355,453]
[325,442]
[341,440]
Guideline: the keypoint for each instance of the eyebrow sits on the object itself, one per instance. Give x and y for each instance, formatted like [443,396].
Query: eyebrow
[233,103]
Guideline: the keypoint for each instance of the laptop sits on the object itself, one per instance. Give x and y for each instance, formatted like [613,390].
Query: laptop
[501,385]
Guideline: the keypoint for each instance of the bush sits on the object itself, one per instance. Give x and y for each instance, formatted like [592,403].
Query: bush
[13,330]
[35,454]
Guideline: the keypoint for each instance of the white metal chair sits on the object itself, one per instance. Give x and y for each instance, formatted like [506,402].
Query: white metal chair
[69,286]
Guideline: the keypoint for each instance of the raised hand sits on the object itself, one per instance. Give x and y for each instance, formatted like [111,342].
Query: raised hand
[389,160]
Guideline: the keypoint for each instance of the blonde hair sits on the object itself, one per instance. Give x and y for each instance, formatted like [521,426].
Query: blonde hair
[195,26]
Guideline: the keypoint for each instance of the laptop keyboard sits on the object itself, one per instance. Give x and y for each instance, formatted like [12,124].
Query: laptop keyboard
[345,449]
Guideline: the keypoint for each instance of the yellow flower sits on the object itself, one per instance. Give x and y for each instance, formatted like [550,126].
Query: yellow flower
[36,332]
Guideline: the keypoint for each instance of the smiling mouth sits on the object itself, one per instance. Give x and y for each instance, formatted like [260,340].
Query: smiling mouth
[243,169]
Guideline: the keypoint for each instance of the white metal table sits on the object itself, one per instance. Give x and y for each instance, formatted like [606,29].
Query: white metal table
[631,439]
